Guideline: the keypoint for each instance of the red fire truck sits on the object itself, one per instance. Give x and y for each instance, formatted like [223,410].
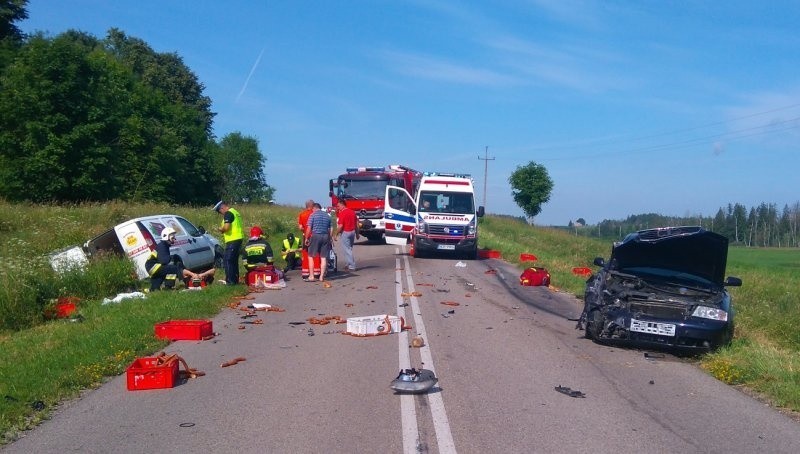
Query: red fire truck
[363,190]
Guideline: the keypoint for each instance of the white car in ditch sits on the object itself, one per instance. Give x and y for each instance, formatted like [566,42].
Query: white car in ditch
[136,238]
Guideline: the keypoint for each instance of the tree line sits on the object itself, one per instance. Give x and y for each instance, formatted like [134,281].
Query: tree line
[759,226]
[89,119]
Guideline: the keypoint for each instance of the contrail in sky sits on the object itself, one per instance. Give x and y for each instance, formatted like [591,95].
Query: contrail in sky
[252,70]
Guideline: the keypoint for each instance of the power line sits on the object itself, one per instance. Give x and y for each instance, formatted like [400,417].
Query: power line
[485,160]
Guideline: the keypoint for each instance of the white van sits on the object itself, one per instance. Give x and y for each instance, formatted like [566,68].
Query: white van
[137,237]
[440,218]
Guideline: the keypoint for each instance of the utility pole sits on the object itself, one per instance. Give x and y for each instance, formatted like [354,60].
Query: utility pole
[485,160]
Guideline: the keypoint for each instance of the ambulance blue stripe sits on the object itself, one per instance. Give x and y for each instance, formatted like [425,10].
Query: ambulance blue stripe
[395,217]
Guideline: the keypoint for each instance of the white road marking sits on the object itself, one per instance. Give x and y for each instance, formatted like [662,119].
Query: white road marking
[444,437]
[408,411]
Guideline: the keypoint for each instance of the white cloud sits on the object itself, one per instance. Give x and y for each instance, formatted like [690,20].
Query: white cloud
[431,68]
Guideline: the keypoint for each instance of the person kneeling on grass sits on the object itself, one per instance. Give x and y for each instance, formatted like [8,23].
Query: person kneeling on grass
[161,268]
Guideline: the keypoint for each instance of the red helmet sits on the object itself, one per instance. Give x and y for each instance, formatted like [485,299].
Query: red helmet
[256,232]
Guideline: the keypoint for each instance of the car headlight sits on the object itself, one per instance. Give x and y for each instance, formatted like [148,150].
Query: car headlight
[471,228]
[710,313]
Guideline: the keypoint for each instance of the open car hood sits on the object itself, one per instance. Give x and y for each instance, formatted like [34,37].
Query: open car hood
[692,250]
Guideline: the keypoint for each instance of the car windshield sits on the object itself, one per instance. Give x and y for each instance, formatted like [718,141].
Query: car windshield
[446,202]
[361,189]
[671,276]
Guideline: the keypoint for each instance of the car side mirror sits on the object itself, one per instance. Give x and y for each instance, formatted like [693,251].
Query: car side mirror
[481,211]
[201,229]
[733,282]
[599,261]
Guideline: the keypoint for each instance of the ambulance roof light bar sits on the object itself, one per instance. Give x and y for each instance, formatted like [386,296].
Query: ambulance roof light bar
[443,174]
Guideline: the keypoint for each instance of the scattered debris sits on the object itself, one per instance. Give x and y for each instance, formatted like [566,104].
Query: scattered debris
[311,331]
[650,355]
[402,305]
[582,271]
[186,424]
[527,257]
[326,284]
[461,264]
[37,405]
[232,362]
[490,271]
[450,303]
[408,294]
[535,276]
[417,342]
[375,325]
[124,296]
[425,285]
[569,392]
[414,381]
[652,382]
[297,323]
[372,286]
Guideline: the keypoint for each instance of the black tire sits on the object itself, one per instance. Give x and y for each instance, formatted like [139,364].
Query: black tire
[219,253]
[594,325]
[418,253]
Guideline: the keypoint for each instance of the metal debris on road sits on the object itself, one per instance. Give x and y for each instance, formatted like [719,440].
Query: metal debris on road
[414,381]
[569,392]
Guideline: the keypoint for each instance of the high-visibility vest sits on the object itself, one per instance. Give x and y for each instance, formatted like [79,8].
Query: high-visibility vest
[287,246]
[235,232]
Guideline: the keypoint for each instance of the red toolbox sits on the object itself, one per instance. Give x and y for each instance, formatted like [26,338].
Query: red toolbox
[184,329]
[149,373]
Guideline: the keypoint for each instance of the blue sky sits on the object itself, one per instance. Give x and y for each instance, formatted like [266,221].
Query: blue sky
[666,107]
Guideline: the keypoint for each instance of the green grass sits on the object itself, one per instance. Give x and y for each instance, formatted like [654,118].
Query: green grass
[52,360]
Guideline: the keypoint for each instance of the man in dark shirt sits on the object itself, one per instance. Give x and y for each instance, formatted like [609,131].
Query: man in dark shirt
[257,253]
[160,267]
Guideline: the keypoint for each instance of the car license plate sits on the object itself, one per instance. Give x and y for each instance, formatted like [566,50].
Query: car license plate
[447,247]
[662,329]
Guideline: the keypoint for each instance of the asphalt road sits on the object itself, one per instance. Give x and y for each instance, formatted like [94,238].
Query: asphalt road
[498,355]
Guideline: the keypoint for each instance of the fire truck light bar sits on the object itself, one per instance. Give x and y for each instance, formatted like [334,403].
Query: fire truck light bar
[364,169]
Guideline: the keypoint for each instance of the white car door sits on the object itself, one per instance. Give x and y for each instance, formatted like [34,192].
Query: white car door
[399,215]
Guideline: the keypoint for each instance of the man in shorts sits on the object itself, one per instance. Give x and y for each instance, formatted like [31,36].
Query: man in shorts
[319,237]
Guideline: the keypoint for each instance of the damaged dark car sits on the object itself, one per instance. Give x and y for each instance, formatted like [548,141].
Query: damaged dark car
[662,287]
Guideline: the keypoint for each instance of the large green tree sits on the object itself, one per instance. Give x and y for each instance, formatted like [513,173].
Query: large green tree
[12,11]
[531,187]
[80,121]
[239,167]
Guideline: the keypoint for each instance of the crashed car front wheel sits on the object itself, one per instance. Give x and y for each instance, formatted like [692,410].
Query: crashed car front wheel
[594,325]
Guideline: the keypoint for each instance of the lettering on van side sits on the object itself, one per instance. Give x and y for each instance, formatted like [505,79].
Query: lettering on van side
[434,217]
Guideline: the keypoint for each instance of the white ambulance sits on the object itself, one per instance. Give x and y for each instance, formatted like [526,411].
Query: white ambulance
[440,218]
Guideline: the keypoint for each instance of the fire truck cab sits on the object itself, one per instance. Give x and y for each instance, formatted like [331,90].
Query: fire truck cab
[363,188]
[440,218]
